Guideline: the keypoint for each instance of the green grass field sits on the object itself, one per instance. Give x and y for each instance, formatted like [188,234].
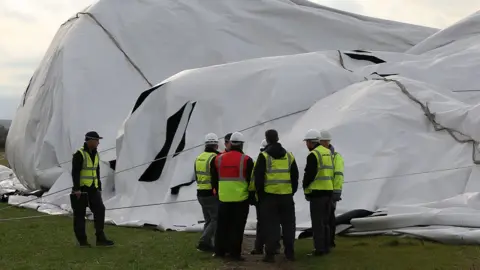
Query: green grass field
[48,243]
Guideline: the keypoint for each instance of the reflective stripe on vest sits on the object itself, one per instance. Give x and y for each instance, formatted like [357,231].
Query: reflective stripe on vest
[251,186]
[202,170]
[232,188]
[324,178]
[88,174]
[277,174]
[338,173]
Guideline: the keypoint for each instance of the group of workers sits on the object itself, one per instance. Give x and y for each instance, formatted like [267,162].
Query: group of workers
[229,182]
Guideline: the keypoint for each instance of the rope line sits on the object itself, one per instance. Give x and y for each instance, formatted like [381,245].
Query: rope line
[146,163]
[194,200]
[59,164]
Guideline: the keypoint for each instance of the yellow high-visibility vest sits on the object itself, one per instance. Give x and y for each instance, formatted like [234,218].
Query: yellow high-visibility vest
[324,178]
[88,174]
[277,174]
[232,186]
[337,173]
[202,170]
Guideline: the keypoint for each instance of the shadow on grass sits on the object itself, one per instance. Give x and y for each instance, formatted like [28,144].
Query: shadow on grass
[402,242]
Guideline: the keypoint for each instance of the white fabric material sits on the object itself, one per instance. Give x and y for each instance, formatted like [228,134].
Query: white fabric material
[394,160]
[83,69]
[9,182]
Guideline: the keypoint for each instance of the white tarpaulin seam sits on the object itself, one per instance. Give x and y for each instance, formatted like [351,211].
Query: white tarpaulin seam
[430,116]
[112,38]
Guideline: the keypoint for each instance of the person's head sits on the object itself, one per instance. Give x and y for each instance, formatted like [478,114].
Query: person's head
[236,141]
[211,141]
[312,138]
[263,145]
[271,136]
[325,138]
[227,141]
[92,139]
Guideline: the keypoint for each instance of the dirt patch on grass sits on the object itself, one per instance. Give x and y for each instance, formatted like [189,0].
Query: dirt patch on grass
[255,261]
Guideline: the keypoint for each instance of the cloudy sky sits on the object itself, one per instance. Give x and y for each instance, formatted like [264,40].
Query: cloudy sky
[27,27]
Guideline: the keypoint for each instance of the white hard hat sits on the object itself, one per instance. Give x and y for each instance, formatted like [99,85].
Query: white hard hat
[237,137]
[312,135]
[325,135]
[264,143]
[211,138]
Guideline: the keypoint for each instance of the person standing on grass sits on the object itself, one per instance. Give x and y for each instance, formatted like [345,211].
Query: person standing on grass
[259,235]
[276,181]
[318,189]
[87,191]
[338,167]
[205,193]
[231,177]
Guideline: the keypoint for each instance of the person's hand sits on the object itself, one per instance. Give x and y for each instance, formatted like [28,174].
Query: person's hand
[336,197]
[77,193]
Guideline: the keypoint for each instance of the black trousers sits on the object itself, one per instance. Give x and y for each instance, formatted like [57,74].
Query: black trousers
[232,217]
[333,224]
[260,237]
[92,199]
[320,211]
[276,210]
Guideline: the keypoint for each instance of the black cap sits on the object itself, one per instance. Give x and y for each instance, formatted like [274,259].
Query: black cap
[227,137]
[92,135]
[271,136]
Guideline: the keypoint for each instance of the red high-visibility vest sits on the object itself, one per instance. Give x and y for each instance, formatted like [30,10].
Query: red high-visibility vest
[232,172]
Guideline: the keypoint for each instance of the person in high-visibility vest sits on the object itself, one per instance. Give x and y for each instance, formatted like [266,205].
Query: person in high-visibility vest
[86,191]
[276,181]
[318,189]
[231,178]
[325,138]
[206,195]
[259,235]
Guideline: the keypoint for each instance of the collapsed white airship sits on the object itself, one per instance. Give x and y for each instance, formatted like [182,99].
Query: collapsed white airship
[399,100]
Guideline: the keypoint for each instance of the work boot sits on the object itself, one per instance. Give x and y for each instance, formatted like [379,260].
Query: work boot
[102,241]
[269,258]
[204,247]
[218,255]
[289,254]
[256,252]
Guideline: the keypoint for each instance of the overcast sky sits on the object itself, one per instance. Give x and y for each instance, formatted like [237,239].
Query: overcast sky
[28,26]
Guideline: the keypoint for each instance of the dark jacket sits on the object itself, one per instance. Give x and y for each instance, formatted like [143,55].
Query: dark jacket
[204,192]
[276,151]
[77,165]
[311,169]
[249,168]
